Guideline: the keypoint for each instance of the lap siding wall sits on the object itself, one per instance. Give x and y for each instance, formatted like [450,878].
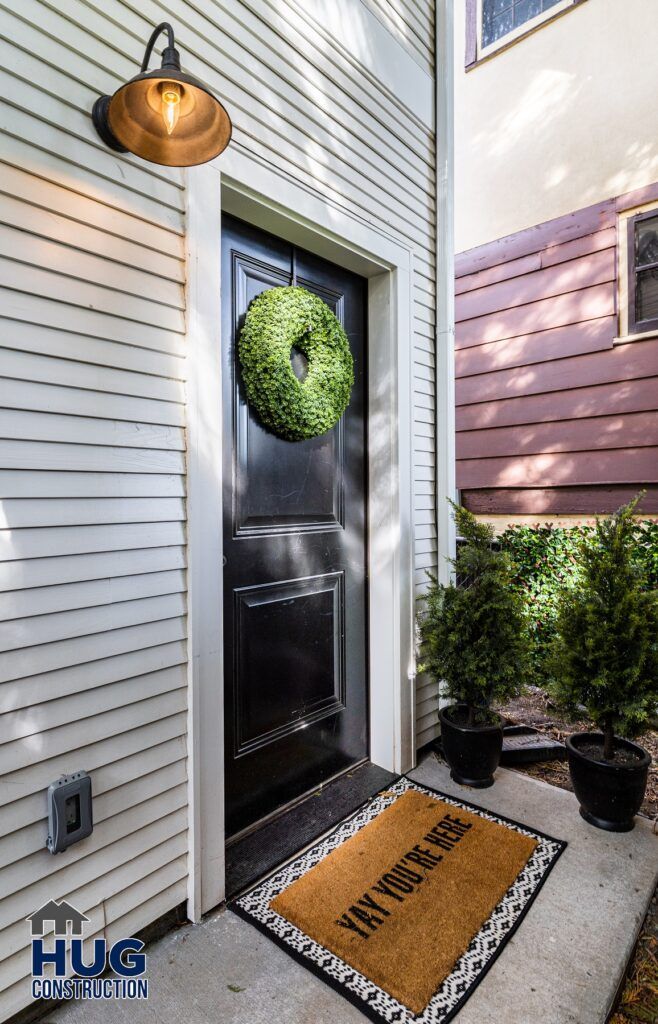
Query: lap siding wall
[553,416]
[92,405]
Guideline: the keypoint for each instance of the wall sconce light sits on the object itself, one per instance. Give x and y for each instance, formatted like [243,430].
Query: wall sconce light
[165,116]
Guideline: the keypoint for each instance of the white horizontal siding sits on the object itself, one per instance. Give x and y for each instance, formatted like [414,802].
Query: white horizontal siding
[92,399]
[92,499]
[412,24]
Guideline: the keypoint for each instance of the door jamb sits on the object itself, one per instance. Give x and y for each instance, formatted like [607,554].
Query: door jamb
[320,227]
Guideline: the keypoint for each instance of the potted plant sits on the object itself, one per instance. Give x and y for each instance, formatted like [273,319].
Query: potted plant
[606,659]
[474,641]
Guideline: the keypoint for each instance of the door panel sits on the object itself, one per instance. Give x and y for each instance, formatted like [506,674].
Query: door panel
[295,550]
[308,681]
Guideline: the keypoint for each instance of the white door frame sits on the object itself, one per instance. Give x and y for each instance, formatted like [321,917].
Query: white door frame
[243,189]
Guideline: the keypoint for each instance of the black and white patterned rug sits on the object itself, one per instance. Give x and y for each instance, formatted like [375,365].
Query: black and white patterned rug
[469,969]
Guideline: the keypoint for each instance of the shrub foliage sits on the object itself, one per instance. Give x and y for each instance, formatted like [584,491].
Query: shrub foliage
[547,561]
[278,320]
[473,635]
[605,653]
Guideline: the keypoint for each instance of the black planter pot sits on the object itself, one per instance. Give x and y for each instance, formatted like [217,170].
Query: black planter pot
[473,752]
[610,795]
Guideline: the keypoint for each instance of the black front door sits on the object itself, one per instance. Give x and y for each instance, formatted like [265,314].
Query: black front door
[295,557]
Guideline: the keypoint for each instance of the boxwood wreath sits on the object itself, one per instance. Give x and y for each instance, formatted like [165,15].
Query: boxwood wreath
[278,320]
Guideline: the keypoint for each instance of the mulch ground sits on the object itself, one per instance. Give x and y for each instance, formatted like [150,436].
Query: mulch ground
[534,708]
[639,1000]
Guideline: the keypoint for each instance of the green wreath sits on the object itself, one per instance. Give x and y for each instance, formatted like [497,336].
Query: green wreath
[278,320]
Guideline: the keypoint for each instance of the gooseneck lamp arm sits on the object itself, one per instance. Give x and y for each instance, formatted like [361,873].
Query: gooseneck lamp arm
[170,55]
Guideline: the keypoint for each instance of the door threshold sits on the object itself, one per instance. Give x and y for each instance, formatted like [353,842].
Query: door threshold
[256,851]
[273,815]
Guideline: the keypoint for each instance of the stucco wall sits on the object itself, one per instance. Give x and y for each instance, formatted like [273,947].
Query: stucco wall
[562,119]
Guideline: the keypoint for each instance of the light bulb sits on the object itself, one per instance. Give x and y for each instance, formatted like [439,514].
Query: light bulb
[170,92]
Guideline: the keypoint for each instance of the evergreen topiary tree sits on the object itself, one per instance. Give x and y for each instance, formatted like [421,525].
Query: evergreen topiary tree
[473,632]
[606,649]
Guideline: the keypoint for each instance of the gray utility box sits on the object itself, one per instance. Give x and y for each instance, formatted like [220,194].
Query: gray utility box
[69,811]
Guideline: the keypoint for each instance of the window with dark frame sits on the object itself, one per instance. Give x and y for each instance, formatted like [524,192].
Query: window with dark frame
[643,273]
[500,17]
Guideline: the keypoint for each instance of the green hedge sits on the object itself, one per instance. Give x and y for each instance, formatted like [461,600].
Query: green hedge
[546,562]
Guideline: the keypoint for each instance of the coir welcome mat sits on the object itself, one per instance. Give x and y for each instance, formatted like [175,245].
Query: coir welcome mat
[407,903]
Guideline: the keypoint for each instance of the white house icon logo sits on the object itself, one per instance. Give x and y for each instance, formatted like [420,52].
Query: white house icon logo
[61,914]
[62,968]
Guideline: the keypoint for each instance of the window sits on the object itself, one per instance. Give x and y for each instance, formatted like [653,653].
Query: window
[493,25]
[500,17]
[643,272]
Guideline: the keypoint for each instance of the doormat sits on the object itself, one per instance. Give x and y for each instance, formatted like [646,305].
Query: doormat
[404,907]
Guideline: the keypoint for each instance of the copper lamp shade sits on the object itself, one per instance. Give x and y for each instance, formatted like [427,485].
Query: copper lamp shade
[165,116]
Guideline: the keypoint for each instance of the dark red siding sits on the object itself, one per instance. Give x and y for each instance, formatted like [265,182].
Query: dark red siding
[552,416]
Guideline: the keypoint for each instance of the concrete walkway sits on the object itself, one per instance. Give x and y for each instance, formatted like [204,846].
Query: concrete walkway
[563,966]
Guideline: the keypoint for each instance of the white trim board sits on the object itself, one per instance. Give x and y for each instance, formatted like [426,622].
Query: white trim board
[446,475]
[246,185]
[205,729]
